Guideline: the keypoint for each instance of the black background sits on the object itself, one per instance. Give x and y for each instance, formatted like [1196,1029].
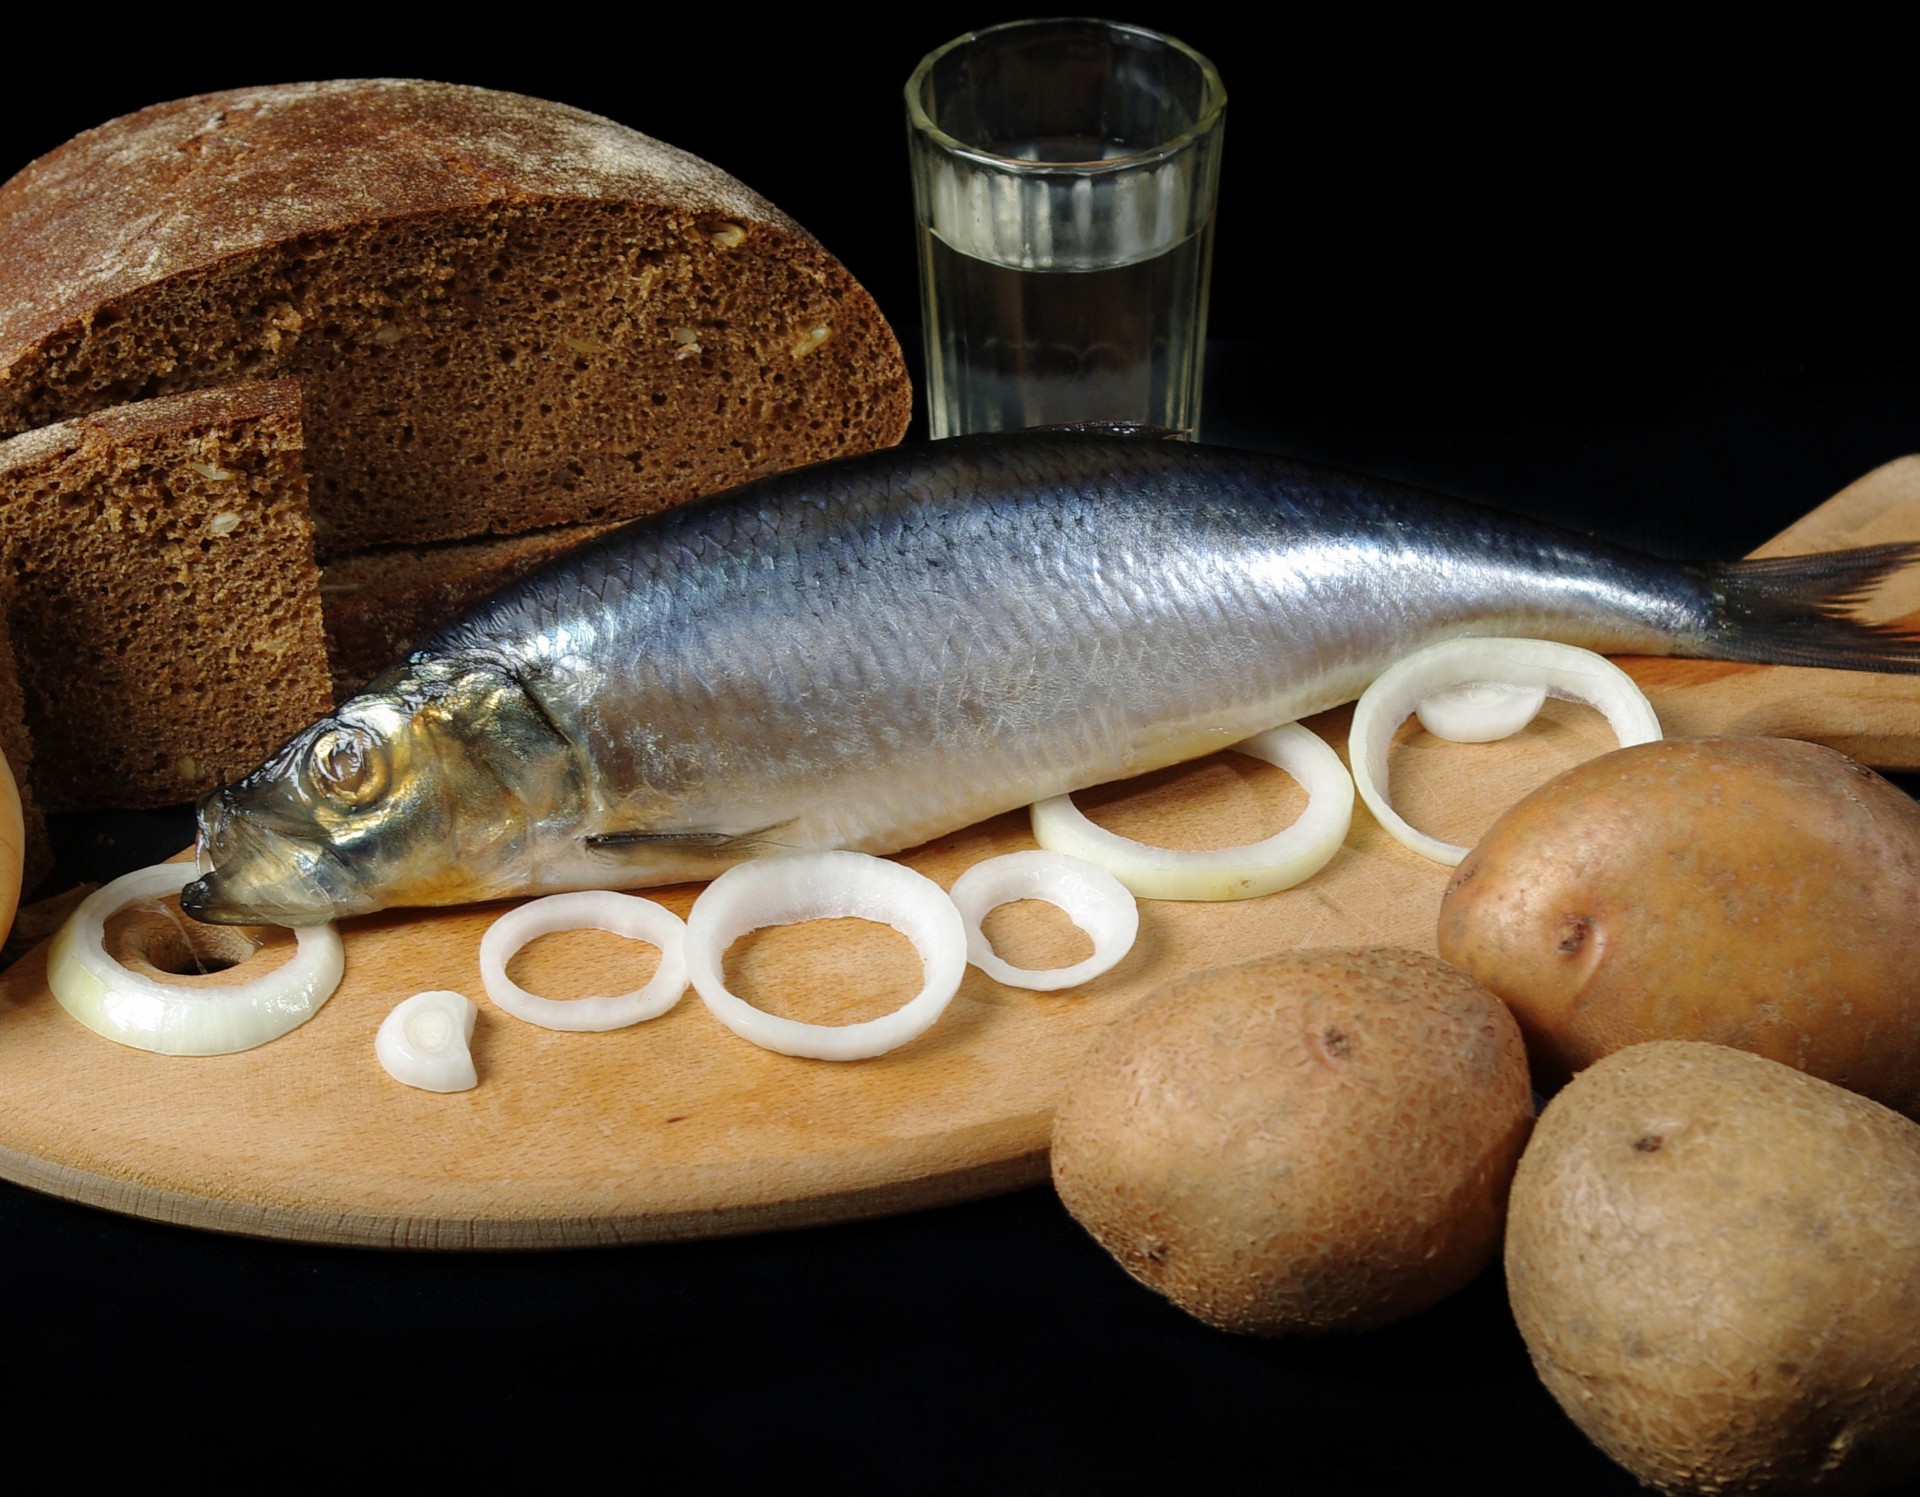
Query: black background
[1580,186]
[1654,283]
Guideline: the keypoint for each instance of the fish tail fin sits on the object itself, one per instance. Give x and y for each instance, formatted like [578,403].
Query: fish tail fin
[1803,610]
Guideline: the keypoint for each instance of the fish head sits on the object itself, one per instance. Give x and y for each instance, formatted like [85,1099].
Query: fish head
[435,786]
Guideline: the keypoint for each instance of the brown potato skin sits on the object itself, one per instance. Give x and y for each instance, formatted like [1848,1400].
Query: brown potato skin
[1755,892]
[1714,1260]
[1317,1141]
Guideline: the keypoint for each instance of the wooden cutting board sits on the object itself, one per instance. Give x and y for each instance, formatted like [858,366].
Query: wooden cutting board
[677,1129]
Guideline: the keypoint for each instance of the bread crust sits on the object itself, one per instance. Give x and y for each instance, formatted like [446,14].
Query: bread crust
[180,186]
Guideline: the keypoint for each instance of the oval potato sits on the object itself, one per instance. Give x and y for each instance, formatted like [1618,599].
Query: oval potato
[1755,892]
[1317,1141]
[1715,1263]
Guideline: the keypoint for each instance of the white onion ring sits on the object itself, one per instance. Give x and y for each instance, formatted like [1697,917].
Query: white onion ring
[1278,862]
[424,1042]
[1480,711]
[825,886]
[1091,898]
[1565,670]
[172,1018]
[590,909]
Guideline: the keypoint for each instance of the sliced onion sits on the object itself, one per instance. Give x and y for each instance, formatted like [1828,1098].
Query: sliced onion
[591,909]
[424,1042]
[1564,670]
[1279,862]
[826,886]
[172,1018]
[1480,711]
[1091,898]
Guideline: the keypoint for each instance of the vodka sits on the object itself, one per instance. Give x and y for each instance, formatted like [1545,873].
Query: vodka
[1009,347]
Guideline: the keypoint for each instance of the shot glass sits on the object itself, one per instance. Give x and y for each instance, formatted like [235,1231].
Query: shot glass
[1064,175]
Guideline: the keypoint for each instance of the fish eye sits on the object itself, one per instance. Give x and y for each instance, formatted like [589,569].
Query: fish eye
[347,766]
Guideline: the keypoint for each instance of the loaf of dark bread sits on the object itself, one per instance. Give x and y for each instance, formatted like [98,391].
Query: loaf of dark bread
[161,594]
[506,314]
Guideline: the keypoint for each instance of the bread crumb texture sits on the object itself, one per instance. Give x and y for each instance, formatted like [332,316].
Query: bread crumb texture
[505,314]
[161,592]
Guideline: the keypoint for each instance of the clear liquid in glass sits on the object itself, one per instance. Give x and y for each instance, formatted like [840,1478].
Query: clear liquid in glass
[1009,348]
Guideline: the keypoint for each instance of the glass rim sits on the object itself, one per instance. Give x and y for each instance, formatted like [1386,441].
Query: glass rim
[1213,100]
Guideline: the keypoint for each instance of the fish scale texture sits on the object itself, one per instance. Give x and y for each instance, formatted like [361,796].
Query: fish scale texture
[1030,614]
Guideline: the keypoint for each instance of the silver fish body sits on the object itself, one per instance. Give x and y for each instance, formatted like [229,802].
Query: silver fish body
[872,652]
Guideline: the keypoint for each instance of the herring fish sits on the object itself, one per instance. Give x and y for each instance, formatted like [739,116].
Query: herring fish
[878,650]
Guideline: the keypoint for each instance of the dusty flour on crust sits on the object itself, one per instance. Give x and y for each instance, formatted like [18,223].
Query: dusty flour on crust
[114,207]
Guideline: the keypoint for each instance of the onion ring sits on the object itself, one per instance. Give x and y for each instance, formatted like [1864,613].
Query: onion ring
[590,909]
[1564,670]
[424,1042]
[824,886]
[1091,898]
[172,1018]
[1278,862]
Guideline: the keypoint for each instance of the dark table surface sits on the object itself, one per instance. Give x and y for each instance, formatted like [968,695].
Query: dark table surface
[1649,292]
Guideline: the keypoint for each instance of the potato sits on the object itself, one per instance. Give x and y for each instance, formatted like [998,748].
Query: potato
[1715,1262]
[1318,1141]
[1754,892]
[13,847]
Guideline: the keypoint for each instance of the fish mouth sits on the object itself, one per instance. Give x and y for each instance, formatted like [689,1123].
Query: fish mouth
[261,875]
[223,897]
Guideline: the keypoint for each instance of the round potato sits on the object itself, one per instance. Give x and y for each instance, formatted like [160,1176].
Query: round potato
[13,847]
[1319,1141]
[1754,892]
[1715,1262]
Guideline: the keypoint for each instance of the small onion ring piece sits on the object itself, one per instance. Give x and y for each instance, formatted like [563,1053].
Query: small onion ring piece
[826,886]
[173,1018]
[1092,899]
[1279,862]
[1564,670]
[1480,711]
[426,1042]
[591,909]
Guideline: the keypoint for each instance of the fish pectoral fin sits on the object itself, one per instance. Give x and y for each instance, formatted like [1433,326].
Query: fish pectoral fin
[711,845]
